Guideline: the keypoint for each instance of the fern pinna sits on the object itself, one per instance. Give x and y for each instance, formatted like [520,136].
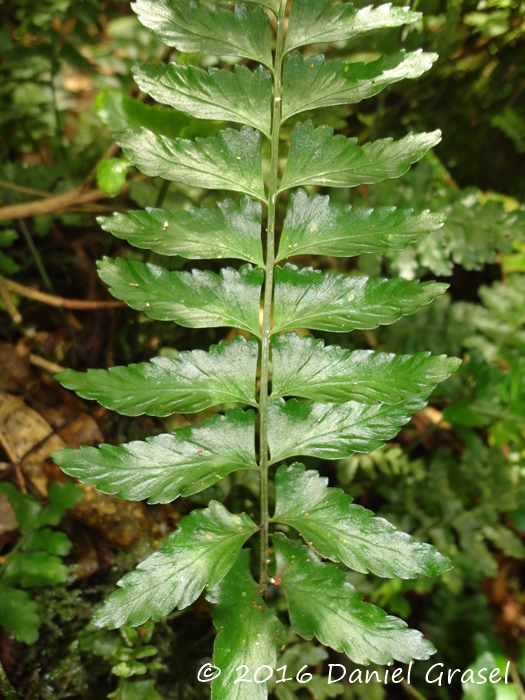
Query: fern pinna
[346,401]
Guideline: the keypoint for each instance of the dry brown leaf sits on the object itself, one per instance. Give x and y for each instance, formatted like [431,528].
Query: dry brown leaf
[7,516]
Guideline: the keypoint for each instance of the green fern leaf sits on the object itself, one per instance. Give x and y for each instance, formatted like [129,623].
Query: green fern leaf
[192,382]
[241,96]
[265,301]
[231,230]
[312,299]
[303,366]
[317,157]
[198,299]
[316,227]
[333,431]
[322,21]
[194,27]
[310,82]
[230,161]
[19,614]
[343,532]
[167,466]
[324,605]
[198,555]
[248,633]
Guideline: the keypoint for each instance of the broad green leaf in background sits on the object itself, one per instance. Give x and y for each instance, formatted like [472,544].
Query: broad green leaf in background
[111,175]
[333,431]
[26,507]
[248,633]
[69,53]
[230,230]
[315,226]
[120,112]
[193,382]
[167,466]
[7,265]
[19,614]
[485,662]
[312,299]
[29,513]
[47,540]
[319,21]
[317,157]
[230,161]
[7,237]
[323,604]
[303,366]
[198,555]
[343,532]
[238,96]
[311,82]
[61,497]
[136,690]
[197,299]
[194,27]
[34,569]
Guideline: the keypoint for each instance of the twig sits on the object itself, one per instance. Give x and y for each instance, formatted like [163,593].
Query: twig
[8,302]
[26,190]
[58,302]
[36,255]
[12,403]
[15,463]
[51,204]
[517,680]
[162,194]
[423,436]
[50,367]
[414,692]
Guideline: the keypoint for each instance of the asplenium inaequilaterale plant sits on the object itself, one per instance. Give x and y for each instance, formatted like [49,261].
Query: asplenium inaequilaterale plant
[313,400]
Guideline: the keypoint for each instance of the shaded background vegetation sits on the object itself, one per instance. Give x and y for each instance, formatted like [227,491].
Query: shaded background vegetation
[455,474]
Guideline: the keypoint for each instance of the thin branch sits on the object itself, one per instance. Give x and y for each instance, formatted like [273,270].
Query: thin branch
[414,692]
[15,463]
[57,302]
[8,302]
[25,190]
[50,367]
[52,204]
[517,680]
[37,258]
